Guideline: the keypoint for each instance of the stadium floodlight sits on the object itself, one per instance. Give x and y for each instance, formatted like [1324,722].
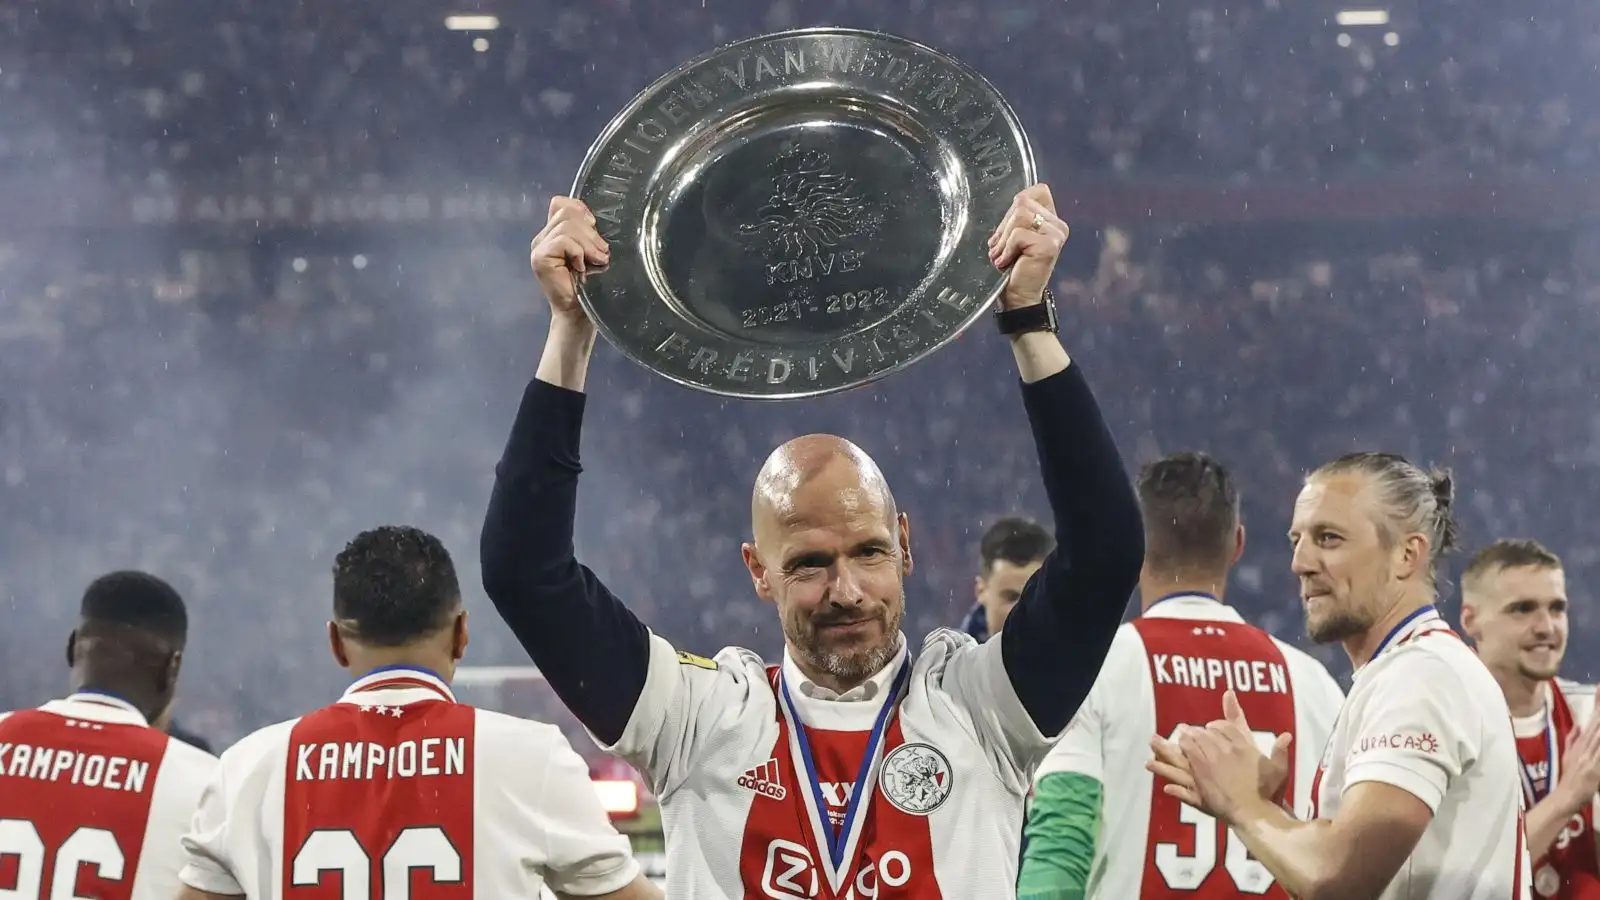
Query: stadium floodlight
[471,23]
[1351,17]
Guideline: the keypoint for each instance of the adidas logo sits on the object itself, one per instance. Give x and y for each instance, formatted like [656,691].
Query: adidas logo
[763,779]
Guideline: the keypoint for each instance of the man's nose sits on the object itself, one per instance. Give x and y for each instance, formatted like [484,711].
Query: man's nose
[847,589]
[1544,624]
[1303,562]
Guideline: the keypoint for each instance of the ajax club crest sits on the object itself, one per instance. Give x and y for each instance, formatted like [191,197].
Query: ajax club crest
[916,778]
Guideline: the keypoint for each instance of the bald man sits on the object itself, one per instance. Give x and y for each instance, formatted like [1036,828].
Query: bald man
[855,767]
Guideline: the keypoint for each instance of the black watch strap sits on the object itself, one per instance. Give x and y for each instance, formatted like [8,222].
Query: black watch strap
[1023,319]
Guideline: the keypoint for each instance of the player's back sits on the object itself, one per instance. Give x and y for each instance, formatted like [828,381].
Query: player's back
[93,801]
[396,790]
[1171,667]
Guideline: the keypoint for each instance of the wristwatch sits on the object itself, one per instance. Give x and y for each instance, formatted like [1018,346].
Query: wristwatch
[1037,317]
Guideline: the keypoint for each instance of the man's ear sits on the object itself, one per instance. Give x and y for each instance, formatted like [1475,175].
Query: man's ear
[459,638]
[169,674]
[336,646]
[1412,555]
[904,529]
[1469,622]
[759,573]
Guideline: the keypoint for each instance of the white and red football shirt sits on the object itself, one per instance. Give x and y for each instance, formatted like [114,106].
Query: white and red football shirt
[1170,667]
[758,771]
[93,801]
[1425,716]
[397,787]
[1569,870]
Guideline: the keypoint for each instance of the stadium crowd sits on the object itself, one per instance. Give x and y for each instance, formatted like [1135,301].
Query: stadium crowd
[292,94]
[227,413]
[234,450]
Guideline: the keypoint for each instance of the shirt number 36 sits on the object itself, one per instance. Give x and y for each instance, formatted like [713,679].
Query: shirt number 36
[1189,873]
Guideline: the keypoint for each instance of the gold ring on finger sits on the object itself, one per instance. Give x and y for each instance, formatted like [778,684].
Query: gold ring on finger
[1038,221]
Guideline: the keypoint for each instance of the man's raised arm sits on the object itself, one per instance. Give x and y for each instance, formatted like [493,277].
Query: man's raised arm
[591,649]
[1058,633]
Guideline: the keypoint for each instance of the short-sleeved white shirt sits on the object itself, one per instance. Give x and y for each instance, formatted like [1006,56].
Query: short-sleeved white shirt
[945,819]
[88,790]
[1425,716]
[1171,667]
[397,777]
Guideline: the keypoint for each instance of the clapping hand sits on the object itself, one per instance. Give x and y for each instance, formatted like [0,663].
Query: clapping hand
[1580,762]
[1218,768]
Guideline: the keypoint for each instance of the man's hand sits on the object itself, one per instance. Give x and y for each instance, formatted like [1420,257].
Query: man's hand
[1580,763]
[1574,790]
[568,248]
[1218,769]
[1170,765]
[1028,241]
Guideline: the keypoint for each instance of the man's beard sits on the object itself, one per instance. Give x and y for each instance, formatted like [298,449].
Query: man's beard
[853,666]
[1351,618]
[857,666]
[1335,626]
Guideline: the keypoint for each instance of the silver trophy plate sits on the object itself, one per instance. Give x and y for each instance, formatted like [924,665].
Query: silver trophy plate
[800,213]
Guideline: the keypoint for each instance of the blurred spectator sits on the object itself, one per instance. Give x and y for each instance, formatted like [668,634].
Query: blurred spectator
[154,94]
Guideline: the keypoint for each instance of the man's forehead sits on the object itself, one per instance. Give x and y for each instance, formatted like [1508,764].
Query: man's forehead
[1004,572]
[1515,583]
[849,508]
[1331,500]
[841,488]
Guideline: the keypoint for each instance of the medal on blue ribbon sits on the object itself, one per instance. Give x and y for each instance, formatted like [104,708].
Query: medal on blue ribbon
[840,847]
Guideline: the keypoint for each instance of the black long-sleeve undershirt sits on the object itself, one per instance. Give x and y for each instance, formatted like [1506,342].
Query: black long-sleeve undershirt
[1057,636]
[594,652]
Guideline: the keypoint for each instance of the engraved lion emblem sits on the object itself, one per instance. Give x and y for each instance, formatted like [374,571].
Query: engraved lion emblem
[812,206]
